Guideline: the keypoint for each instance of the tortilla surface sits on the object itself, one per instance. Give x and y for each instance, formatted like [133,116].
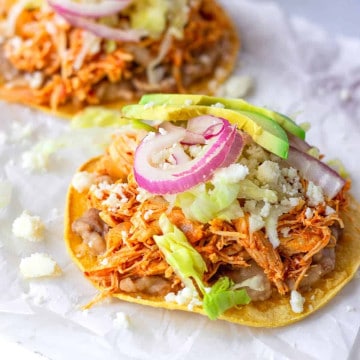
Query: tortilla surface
[206,85]
[273,312]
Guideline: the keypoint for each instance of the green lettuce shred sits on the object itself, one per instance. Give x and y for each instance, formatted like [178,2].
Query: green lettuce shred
[250,191]
[97,116]
[149,15]
[179,254]
[314,152]
[189,264]
[221,297]
[209,201]
[219,199]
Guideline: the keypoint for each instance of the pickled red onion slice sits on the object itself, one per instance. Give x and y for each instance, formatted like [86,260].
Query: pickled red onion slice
[316,171]
[81,14]
[93,10]
[160,176]
[104,31]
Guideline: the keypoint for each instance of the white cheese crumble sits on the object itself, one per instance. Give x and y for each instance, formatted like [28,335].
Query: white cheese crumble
[314,194]
[231,174]
[148,214]
[143,195]
[194,150]
[291,202]
[309,213]
[28,227]
[121,321]
[104,261]
[296,302]
[188,102]
[268,172]
[39,265]
[329,210]
[112,195]
[285,231]
[83,180]
[185,296]
[35,79]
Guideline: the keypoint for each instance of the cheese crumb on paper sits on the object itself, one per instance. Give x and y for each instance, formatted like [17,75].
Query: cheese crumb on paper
[237,86]
[121,321]
[28,227]
[39,265]
[83,180]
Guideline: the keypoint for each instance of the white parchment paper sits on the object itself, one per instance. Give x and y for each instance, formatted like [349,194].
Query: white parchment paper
[297,69]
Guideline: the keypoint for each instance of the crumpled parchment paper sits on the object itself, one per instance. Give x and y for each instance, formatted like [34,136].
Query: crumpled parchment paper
[297,69]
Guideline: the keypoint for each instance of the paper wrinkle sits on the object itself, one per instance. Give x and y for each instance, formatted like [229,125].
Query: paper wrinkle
[297,68]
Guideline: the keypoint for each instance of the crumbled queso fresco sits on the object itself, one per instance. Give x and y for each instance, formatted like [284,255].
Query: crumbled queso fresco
[83,180]
[186,296]
[276,190]
[39,265]
[296,302]
[28,227]
[269,188]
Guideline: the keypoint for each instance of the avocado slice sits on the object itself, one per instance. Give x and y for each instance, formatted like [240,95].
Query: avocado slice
[264,131]
[233,104]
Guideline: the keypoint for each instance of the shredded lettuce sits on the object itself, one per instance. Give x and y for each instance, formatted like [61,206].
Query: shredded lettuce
[305,126]
[250,191]
[150,15]
[97,116]
[219,199]
[189,264]
[314,152]
[179,254]
[110,46]
[34,4]
[178,17]
[222,297]
[209,201]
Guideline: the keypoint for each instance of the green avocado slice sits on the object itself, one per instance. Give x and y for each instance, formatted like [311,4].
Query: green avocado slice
[233,104]
[264,131]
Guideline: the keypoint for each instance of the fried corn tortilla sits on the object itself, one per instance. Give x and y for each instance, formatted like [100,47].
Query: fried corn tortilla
[273,312]
[34,72]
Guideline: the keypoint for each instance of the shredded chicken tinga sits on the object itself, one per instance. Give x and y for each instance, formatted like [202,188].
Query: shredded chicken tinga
[110,229]
[50,64]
